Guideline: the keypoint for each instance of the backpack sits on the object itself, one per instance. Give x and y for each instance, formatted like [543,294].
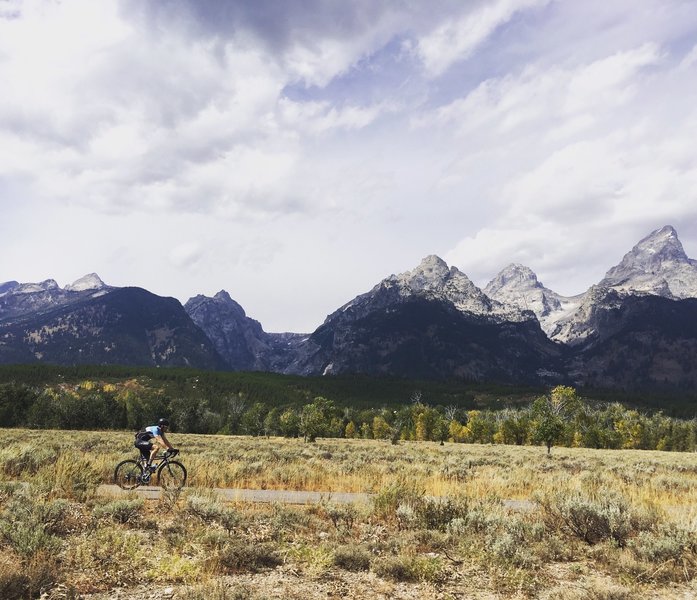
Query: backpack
[143,437]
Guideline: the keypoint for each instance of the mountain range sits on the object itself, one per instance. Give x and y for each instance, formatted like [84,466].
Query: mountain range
[636,328]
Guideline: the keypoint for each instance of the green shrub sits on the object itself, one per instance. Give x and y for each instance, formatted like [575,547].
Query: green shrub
[669,543]
[352,558]
[435,513]
[8,490]
[242,557]
[476,521]
[595,520]
[411,568]
[388,499]
[212,510]
[342,517]
[29,526]
[217,590]
[108,556]
[205,508]
[286,519]
[120,511]
[31,577]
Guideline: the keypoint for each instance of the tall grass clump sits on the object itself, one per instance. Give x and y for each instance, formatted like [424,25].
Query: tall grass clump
[72,476]
[26,459]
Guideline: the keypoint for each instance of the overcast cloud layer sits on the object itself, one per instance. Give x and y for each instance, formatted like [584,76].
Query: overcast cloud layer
[295,153]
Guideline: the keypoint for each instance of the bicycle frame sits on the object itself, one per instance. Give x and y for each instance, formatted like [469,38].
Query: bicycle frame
[171,474]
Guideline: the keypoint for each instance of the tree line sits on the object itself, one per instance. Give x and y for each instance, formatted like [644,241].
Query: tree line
[560,417]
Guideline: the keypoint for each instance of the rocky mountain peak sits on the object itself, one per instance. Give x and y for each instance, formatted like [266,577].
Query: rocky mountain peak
[31,288]
[513,276]
[656,248]
[431,273]
[223,297]
[91,281]
[517,285]
[432,279]
[657,265]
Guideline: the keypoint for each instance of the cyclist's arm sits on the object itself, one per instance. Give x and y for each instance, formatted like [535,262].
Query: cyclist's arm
[165,441]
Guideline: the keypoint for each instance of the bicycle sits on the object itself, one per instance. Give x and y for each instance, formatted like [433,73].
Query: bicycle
[171,474]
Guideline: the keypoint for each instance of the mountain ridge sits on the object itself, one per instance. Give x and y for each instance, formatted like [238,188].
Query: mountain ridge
[431,321]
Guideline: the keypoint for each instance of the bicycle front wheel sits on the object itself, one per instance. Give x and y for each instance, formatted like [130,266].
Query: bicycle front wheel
[128,474]
[171,475]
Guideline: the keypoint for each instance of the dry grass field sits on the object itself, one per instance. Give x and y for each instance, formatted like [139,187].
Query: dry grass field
[605,524]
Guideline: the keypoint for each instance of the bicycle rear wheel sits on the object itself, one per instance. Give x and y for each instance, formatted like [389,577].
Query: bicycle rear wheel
[171,475]
[128,474]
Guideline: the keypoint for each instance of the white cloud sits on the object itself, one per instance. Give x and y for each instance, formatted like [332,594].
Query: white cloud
[186,255]
[304,150]
[605,157]
[456,40]
[543,96]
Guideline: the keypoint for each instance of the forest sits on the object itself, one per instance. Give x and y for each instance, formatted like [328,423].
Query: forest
[262,404]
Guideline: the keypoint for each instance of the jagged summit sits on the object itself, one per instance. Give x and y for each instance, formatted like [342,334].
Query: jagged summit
[432,279]
[515,278]
[657,265]
[518,285]
[430,273]
[31,288]
[90,281]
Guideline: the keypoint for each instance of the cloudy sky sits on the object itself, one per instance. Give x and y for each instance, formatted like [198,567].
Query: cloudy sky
[296,152]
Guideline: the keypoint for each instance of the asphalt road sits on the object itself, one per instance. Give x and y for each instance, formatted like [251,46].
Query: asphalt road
[284,496]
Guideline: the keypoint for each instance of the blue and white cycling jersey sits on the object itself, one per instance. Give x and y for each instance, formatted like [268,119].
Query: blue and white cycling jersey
[154,429]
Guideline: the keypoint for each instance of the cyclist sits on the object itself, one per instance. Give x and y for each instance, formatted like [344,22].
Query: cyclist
[151,439]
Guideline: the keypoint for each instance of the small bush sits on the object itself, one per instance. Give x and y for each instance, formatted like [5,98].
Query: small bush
[107,556]
[352,558]
[205,508]
[433,513]
[212,510]
[594,590]
[217,590]
[342,517]
[28,526]
[8,490]
[659,548]
[120,511]
[593,521]
[411,568]
[401,492]
[242,557]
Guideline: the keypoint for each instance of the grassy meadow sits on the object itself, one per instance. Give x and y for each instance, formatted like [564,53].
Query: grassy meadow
[603,524]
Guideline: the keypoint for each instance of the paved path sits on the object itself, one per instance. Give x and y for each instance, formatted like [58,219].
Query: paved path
[285,496]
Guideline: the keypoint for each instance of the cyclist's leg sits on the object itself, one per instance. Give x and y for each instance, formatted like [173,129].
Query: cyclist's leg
[156,447]
[144,448]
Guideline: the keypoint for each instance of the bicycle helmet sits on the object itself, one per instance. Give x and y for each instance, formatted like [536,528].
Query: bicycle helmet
[163,423]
